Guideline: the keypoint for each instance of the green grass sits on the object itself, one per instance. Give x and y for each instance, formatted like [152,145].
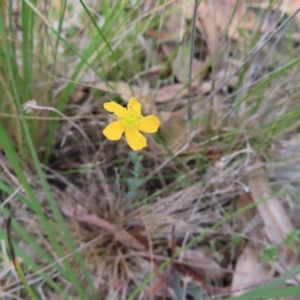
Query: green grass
[18,84]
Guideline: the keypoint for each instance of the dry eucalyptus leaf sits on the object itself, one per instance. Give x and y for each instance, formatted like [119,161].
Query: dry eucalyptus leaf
[172,91]
[277,224]
[181,67]
[173,29]
[206,86]
[120,87]
[164,116]
[249,270]
[181,64]
[203,265]
[215,17]
[276,221]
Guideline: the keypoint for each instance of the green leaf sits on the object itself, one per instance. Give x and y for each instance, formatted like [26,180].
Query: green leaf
[270,254]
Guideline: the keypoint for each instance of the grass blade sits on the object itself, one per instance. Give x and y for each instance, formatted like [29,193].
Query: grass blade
[16,261]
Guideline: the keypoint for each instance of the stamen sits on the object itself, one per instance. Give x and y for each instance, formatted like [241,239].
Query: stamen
[130,120]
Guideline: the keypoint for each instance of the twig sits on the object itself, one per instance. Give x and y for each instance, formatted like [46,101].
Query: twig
[121,234]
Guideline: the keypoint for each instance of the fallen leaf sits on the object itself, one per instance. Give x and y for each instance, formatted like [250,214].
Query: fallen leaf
[202,264]
[221,16]
[206,87]
[172,91]
[249,270]
[173,30]
[247,216]
[120,87]
[164,116]
[277,224]
[152,74]
[181,67]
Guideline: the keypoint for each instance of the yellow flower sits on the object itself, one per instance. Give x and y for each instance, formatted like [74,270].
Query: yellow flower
[131,122]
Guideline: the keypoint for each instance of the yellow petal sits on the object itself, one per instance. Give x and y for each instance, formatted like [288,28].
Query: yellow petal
[148,124]
[115,108]
[114,130]
[135,139]
[134,106]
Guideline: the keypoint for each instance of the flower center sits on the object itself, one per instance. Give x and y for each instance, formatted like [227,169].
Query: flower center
[130,120]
